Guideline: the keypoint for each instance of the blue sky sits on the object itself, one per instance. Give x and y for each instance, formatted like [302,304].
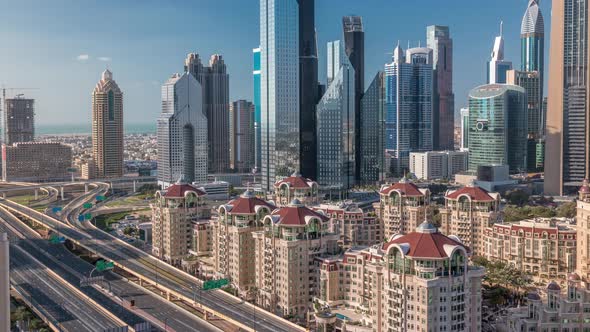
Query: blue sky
[144,42]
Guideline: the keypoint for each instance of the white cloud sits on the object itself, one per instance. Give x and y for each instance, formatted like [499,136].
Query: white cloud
[104,58]
[83,57]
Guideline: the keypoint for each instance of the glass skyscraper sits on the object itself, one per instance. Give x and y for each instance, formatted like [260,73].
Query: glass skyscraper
[182,132]
[464,129]
[336,126]
[498,127]
[373,132]
[279,93]
[408,105]
[257,108]
[497,66]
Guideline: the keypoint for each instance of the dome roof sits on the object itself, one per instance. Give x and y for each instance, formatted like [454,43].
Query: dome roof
[573,277]
[533,296]
[553,286]
[532,21]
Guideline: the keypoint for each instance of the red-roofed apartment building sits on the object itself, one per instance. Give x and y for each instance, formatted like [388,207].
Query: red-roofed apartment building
[285,251]
[356,228]
[296,187]
[420,281]
[468,212]
[402,207]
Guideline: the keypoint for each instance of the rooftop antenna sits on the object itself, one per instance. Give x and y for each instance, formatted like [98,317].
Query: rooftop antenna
[501,28]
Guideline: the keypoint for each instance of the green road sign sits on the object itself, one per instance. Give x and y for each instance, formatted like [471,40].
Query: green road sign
[214,284]
[102,265]
[56,239]
[100,198]
[88,216]
[71,170]
[87,205]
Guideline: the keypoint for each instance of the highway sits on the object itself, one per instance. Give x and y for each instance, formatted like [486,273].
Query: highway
[155,271]
[150,307]
[63,306]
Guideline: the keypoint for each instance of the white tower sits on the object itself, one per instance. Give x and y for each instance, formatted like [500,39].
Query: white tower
[4,284]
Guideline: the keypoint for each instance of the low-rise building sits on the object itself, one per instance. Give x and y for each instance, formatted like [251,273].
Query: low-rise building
[233,240]
[174,212]
[420,281]
[356,228]
[434,165]
[544,248]
[467,213]
[36,162]
[296,187]
[553,310]
[292,238]
[402,207]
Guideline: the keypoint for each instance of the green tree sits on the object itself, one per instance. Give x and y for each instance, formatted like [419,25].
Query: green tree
[567,210]
[517,197]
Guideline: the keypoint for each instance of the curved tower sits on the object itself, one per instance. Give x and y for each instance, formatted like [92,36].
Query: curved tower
[532,38]
[107,127]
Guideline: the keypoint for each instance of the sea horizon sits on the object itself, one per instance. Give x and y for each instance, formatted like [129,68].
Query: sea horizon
[85,129]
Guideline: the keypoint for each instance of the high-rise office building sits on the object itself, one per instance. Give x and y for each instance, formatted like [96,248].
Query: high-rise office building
[464,146]
[182,132]
[308,88]
[373,132]
[19,120]
[279,76]
[336,127]
[107,127]
[241,135]
[567,141]
[354,46]
[498,126]
[408,105]
[214,81]
[497,66]
[257,108]
[438,38]
[532,39]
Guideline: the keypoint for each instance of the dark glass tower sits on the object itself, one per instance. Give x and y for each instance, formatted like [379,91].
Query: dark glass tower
[308,88]
[354,45]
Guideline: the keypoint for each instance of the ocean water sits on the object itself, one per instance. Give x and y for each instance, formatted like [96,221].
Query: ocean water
[85,128]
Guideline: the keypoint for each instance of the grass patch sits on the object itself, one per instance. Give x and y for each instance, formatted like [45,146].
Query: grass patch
[24,199]
[104,221]
[130,200]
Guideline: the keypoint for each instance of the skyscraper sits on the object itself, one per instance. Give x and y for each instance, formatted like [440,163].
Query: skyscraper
[107,127]
[532,39]
[279,76]
[182,132]
[497,66]
[354,45]
[408,105]
[19,120]
[498,126]
[567,141]
[241,135]
[257,108]
[439,40]
[214,82]
[464,129]
[308,88]
[373,132]
[336,128]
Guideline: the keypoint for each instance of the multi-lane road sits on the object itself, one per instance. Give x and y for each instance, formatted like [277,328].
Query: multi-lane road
[149,268]
[64,307]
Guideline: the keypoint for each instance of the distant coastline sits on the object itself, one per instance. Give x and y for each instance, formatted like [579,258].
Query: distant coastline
[85,129]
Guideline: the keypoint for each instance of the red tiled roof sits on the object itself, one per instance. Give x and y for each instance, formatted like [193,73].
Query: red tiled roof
[295,181]
[178,190]
[406,188]
[247,205]
[295,215]
[475,193]
[425,245]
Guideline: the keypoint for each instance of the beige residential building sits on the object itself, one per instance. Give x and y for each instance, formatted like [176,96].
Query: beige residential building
[403,206]
[296,187]
[107,127]
[420,281]
[36,162]
[233,240]
[468,212]
[553,310]
[173,214]
[286,248]
[583,230]
[355,227]
[544,248]
[202,238]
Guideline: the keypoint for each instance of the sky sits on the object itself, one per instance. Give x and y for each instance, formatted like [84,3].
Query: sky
[60,47]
